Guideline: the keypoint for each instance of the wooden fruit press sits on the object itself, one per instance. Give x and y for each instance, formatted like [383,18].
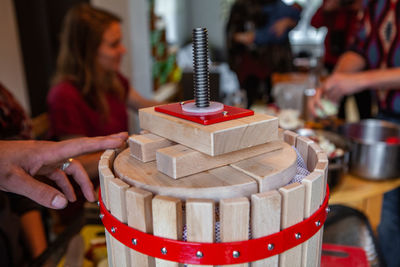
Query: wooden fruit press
[208,184]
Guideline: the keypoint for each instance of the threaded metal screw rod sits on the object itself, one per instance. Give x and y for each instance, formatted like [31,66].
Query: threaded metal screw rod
[200,65]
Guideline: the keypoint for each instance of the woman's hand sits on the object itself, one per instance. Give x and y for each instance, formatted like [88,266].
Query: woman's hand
[246,38]
[340,84]
[281,26]
[20,161]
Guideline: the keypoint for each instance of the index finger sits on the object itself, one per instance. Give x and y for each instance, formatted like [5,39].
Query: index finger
[79,146]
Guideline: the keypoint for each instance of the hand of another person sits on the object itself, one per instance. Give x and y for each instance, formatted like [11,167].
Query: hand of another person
[334,88]
[20,161]
[246,38]
[315,102]
[331,5]
[282,25]
[340,84]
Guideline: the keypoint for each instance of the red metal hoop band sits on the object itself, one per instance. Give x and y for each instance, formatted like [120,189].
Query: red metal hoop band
[215,253]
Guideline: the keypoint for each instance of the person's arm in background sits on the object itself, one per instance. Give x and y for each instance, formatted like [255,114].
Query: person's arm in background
[33,230]
[350,62]
[288,17]
[325,13]
[136,101]
[349,78]
[20,161]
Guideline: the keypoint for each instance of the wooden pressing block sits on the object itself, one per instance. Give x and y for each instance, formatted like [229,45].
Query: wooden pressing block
[179,161]
[215,139]
[271,170]
[234,220]
[143,147]
[265,220]
[292,213]
[222,182]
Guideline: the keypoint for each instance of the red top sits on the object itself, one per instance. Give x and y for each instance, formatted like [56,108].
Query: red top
[342,24]
[71,115]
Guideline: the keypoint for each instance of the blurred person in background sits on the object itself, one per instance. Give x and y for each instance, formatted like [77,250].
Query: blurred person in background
[90,96]
[257,36]
[20,218]
[342,20]
[374,63]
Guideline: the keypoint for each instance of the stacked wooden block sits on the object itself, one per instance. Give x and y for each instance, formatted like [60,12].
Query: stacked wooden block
[242,166]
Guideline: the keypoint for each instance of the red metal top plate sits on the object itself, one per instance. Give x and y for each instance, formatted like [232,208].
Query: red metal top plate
[229,113]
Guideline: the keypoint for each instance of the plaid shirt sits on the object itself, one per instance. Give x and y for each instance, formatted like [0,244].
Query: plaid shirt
[378,42]
[14,123]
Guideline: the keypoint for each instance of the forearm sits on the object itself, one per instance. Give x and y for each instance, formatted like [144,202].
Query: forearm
[33,229]
[136,101]
[380,79]
[350,62]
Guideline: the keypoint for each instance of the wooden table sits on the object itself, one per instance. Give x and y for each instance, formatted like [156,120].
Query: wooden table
[362,194]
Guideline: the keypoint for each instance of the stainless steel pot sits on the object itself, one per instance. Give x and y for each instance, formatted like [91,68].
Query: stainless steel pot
[371,155]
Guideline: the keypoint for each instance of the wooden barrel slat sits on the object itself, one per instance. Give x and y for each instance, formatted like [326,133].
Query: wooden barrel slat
[116,195]
[302,144]
[266,220]
[138,203]
[314,186]
[292,213]
[167,222]
[200,221]
[234,221]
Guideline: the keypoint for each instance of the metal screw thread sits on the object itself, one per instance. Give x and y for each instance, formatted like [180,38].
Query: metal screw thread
[200,65]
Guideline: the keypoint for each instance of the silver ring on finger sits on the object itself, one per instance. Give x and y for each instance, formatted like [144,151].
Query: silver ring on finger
[66,164]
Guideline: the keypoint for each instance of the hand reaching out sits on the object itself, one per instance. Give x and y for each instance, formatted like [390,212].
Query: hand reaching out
[246,38]
[335,87]
[281,26]
[20,161]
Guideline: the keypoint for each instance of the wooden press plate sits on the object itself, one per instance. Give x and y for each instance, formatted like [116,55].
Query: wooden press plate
[219,183]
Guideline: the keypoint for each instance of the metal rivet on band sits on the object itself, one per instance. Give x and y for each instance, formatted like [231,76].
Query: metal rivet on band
[164,251]
[225,112]
[318,223]
[271,246]
[297,235]
[199,254]
[101,216]
[182,103]
[134,241]
[98,203]
[328,209]
[236,254]
[113,229]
